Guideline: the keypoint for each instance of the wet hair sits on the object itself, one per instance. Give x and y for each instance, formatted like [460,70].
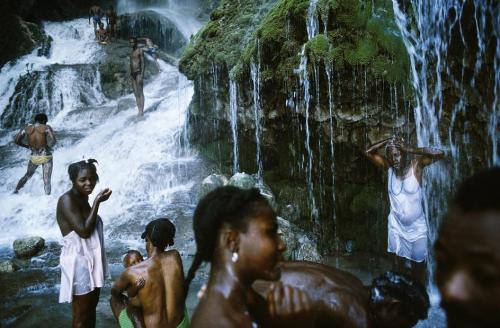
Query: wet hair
[75,168]
[41,118]
[479,192]
[224,205]
[160,232]
[411,294]
[129,253]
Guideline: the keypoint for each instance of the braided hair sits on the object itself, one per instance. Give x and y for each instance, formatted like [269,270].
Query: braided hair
[224,205]
[75,168]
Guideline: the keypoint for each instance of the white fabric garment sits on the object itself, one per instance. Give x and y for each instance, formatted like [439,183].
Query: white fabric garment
[83,264]
[407,228]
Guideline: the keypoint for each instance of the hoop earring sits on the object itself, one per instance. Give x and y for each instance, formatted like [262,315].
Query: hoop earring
[234,258]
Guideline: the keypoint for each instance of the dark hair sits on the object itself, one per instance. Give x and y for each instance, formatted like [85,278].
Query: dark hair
[412,295]
[479,192]
[230,205]
[160,232]
[41,118]
[75,168]
[131,252]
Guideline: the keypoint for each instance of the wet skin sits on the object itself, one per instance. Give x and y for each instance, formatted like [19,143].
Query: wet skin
[137,75]
[75,214]
[229,296]
[161,296]
[468,268]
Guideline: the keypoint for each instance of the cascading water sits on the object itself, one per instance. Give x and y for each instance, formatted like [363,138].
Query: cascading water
[255,75]
[233,106]
[428,38]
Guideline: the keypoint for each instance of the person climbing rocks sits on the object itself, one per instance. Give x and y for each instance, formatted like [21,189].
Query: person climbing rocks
[467,253]
[157,282]
[111,19]
[95,13]
[407,226]
[150,49]
[137,67]
[102,34]
[40,138]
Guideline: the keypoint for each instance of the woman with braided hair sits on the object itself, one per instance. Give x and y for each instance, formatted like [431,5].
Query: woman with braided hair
[237,232]
[83,260]
[407,227]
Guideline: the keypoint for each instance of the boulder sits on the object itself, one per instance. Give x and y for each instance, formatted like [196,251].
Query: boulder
[8,266]
[210,183]
[298,245]
[247,181]
[28,247]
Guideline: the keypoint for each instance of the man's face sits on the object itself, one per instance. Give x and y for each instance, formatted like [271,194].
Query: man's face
[260,247]
[468,269]
[132,42]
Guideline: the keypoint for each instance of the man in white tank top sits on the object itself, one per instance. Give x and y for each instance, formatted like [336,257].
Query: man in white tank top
[407,227]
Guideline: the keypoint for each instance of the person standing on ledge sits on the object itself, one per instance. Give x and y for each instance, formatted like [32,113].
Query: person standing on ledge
[40,138]
[96,14]
[111,22]
[407,227]
[137,74]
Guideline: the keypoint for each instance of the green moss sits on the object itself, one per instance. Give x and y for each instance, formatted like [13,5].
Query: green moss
[317,47]
[366,49]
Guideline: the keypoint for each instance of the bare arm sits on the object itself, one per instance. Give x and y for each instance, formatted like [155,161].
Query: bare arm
[371,154]
[426,155]
[19,139]
[141,56]
[119,286]
[71,213]
[174,285]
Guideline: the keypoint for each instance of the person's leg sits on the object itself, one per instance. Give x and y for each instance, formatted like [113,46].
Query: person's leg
[95,27]
[29,173]
[140,92]
[117,306]
[47,174]
[136,316]
[419,253]
[84,309]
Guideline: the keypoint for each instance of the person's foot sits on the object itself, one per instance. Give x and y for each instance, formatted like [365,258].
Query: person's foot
[16,192]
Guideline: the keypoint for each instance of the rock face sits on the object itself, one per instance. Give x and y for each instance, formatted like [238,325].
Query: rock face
[28,247]
[158,28]
[7,267]
[210,183]
[319,97]
[299,247]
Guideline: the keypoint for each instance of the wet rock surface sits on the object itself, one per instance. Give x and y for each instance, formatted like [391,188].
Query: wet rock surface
[28,247]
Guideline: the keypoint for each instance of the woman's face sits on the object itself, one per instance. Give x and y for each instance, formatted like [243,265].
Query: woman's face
[85,182]
[395,157]
[260,247]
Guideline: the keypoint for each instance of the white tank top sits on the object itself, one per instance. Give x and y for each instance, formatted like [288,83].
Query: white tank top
[405,197]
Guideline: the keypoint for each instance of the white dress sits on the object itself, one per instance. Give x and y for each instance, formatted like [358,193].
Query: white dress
[407,227]
[83,264]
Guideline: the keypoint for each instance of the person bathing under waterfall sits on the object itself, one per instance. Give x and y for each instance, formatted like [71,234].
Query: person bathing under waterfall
[83,258]
[102,34]
[96,14]
[157,283]
[111,18]
[40,138]
[407,226]
[150,49]
[137,67]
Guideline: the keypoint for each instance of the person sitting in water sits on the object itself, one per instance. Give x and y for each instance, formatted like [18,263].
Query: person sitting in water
[339,299]
[102,34]
[40,138]
[137,67]
[111,18]
[468,253]
[407,226]
[161,296]
[237,232]
[150,49]
[83,258]
[96,14]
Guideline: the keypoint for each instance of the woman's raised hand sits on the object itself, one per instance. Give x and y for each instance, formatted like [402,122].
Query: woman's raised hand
[103,195]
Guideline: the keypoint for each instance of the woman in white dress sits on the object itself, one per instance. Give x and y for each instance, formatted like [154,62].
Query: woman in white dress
[83,260]
[407,227]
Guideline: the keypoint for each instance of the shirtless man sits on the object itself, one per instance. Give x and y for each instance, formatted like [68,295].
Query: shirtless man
[468,254]
[137,74]
[96,14]
[339,299]
[102,34]
[111,22]
[40,139]
[161,298]
[150,49]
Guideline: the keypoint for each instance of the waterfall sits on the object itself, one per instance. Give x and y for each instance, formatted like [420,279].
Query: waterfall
[233,105]
[255,75]
[428,39]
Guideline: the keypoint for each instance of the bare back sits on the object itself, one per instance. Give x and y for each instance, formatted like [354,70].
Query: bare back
[95,11]
[37,136]
[162,297]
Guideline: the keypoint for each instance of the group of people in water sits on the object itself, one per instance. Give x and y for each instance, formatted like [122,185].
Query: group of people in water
[236,231]
[103,34]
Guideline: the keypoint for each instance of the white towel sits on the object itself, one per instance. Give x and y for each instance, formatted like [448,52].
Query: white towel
[83,264]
